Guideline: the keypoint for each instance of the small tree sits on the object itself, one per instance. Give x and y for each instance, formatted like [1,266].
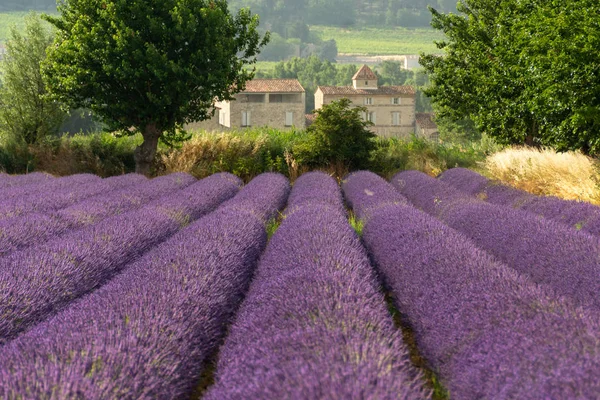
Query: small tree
[338,135]
[26,113]
[150,66]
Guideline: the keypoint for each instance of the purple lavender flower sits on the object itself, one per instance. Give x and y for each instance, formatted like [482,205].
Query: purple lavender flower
[35,228]
[148,332]
[33,178]
[486,330]
[370,191]
[260,194]
[47,186]
[43,201]
[576,214]
[547,251]
[317,188]
[314,324]
[39,281]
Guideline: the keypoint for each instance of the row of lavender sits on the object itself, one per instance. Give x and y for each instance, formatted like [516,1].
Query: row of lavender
[487,330]
[40,280]
[38,226]
[149,331]
[576,214]
[546,251]
[314,324]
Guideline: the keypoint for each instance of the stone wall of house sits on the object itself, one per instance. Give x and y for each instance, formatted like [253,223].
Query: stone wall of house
[383,108]
[267,114]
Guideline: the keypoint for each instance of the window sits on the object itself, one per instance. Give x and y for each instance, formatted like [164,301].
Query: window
[396,100]
[245,118]
[371,117]
[368,101]
[396,118]
[289,118]
[275,98]
[366,83]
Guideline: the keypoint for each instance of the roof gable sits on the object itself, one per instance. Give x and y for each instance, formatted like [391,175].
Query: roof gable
[365,73]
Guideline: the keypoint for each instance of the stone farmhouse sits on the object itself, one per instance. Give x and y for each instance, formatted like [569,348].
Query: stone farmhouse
[391,109]
[276,103]
[426,127]
[280,104]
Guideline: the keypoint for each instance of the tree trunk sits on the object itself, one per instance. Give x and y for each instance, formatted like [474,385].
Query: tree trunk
[532,134]
[144,153]
[529,140]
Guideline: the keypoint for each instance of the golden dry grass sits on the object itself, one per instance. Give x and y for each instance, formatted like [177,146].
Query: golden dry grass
[569,175]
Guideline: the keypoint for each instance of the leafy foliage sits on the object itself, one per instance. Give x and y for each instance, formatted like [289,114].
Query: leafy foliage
[523,71]
[338,135]
[26,114]
[150,66]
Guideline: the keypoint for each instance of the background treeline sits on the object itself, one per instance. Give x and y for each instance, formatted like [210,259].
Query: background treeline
[278,14]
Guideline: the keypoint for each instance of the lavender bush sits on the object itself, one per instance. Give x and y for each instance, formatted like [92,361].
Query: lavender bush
[47,186]
[486,330]
[44,201]
[40,280]
[99,207]
[34,228]
[579,215]
[264,196]
[315,188]
[314,324]
[370,191]
[547,251]
[148,332]
[34,178]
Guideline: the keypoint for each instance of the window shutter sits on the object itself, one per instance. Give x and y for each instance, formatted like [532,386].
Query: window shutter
[364,116]
[373,118]
[245,118]
[289,118]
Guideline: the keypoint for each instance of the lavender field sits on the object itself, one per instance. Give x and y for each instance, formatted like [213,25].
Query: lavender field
[177,288]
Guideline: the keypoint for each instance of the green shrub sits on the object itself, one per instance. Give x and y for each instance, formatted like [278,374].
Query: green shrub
[393,155]
[338,136]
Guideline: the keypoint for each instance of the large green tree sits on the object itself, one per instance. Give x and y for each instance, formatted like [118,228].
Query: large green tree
[150,66]
[26,113]
[524,71]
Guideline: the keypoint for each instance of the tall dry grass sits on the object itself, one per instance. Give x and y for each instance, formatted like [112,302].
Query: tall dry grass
[245,154]
[569,175]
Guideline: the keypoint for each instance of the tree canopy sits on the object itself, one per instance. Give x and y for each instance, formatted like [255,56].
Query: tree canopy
[27,115]
[150,66]
[524,71]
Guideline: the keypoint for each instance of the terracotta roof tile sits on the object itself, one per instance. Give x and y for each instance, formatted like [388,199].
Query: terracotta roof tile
[425,120]
[365,73]
[380,91]
[273,86]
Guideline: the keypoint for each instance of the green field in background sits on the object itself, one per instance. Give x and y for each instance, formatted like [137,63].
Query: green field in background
[381,41]
[368,41]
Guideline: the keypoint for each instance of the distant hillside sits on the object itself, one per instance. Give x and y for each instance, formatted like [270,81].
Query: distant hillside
[346,13]
[26,5]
